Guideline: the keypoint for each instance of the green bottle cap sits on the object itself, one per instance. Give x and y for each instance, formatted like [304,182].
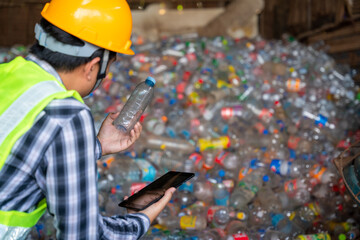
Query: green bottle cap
[342,236]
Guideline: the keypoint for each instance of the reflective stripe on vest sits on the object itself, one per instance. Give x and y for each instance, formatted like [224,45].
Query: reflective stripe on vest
[25,90]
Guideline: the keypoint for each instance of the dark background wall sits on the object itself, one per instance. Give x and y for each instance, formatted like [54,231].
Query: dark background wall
[336,23]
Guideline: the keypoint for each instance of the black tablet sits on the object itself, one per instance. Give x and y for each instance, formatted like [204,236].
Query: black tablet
[155,190]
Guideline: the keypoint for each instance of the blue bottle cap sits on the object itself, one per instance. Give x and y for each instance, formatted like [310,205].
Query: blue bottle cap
[266,178]
[221,173]
[172,101]
[254,163]
[150,81]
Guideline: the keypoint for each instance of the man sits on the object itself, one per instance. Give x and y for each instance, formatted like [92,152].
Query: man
[48,144]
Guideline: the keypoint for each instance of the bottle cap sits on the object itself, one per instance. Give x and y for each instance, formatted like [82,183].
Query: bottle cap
[266,178]
[342,236]
[221,173]
[150,80]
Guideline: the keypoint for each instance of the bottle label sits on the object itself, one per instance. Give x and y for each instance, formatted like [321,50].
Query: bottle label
[211,211]
[290,186]
[243,172]
[321,120]
[187,186]
[135,187]
[275,166]
[227,113]
[318,236]
[293,142]
[187,222]
[222,201]
[265,114]
[293,85]
[196,158]
[314,208]
[220,157]
[240,236]
[276,219]
[317,172]
[221,142]
[229,184]
[148,170]
[259,127]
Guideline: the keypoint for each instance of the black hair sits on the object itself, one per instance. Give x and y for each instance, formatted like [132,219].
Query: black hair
[60,61]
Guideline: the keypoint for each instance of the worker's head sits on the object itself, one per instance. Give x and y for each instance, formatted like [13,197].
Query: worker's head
[74,32]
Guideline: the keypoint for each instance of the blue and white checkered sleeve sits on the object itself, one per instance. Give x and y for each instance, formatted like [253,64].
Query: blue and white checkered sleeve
[72,189]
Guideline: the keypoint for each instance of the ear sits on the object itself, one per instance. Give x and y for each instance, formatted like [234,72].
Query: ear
[90,67]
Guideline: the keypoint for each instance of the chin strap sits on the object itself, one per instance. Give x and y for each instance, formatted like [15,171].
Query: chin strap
[102,72]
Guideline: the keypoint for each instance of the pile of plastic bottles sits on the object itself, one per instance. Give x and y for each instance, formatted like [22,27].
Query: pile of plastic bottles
[258,121]
[7,54]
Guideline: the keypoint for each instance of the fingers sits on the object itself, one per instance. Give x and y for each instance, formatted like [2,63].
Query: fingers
[154,210]
[136,131]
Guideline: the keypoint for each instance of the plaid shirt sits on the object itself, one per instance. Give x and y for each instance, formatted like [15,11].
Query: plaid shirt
[56,159]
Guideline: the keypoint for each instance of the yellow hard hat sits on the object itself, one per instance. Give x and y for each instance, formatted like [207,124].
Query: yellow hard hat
[104,23]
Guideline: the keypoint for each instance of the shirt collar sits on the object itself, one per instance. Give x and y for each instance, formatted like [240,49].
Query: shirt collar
[44,65]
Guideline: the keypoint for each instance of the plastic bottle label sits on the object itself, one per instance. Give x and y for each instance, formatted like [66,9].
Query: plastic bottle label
[240,236]
[135,187]
[314,208]
[293,85]
[317,172]
[220,157]
[243,172]
[187,186]
[187,222]
[265,114]
[222,201]
[211,211]
[293,142]
[321,120]
[319,236]
[148,171]
[259,127]
[290,186]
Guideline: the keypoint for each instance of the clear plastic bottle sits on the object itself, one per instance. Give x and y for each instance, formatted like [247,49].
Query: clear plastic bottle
[135,105]
[221,194]
[290,169]
[188,222]
[126,169]
[235,227]
[151,141]
[203,190]
[221,217]
[284,225]
[228,160]
[247,189]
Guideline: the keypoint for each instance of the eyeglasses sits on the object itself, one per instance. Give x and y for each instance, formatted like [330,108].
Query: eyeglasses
[348,165]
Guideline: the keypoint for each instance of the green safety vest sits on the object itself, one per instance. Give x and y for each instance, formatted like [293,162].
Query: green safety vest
[25,90]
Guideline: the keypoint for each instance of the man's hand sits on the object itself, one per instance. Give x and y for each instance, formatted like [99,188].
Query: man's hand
[113,140]
[155,209]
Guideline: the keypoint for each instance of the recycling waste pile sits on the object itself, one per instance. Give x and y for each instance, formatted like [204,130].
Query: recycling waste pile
[258,121]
